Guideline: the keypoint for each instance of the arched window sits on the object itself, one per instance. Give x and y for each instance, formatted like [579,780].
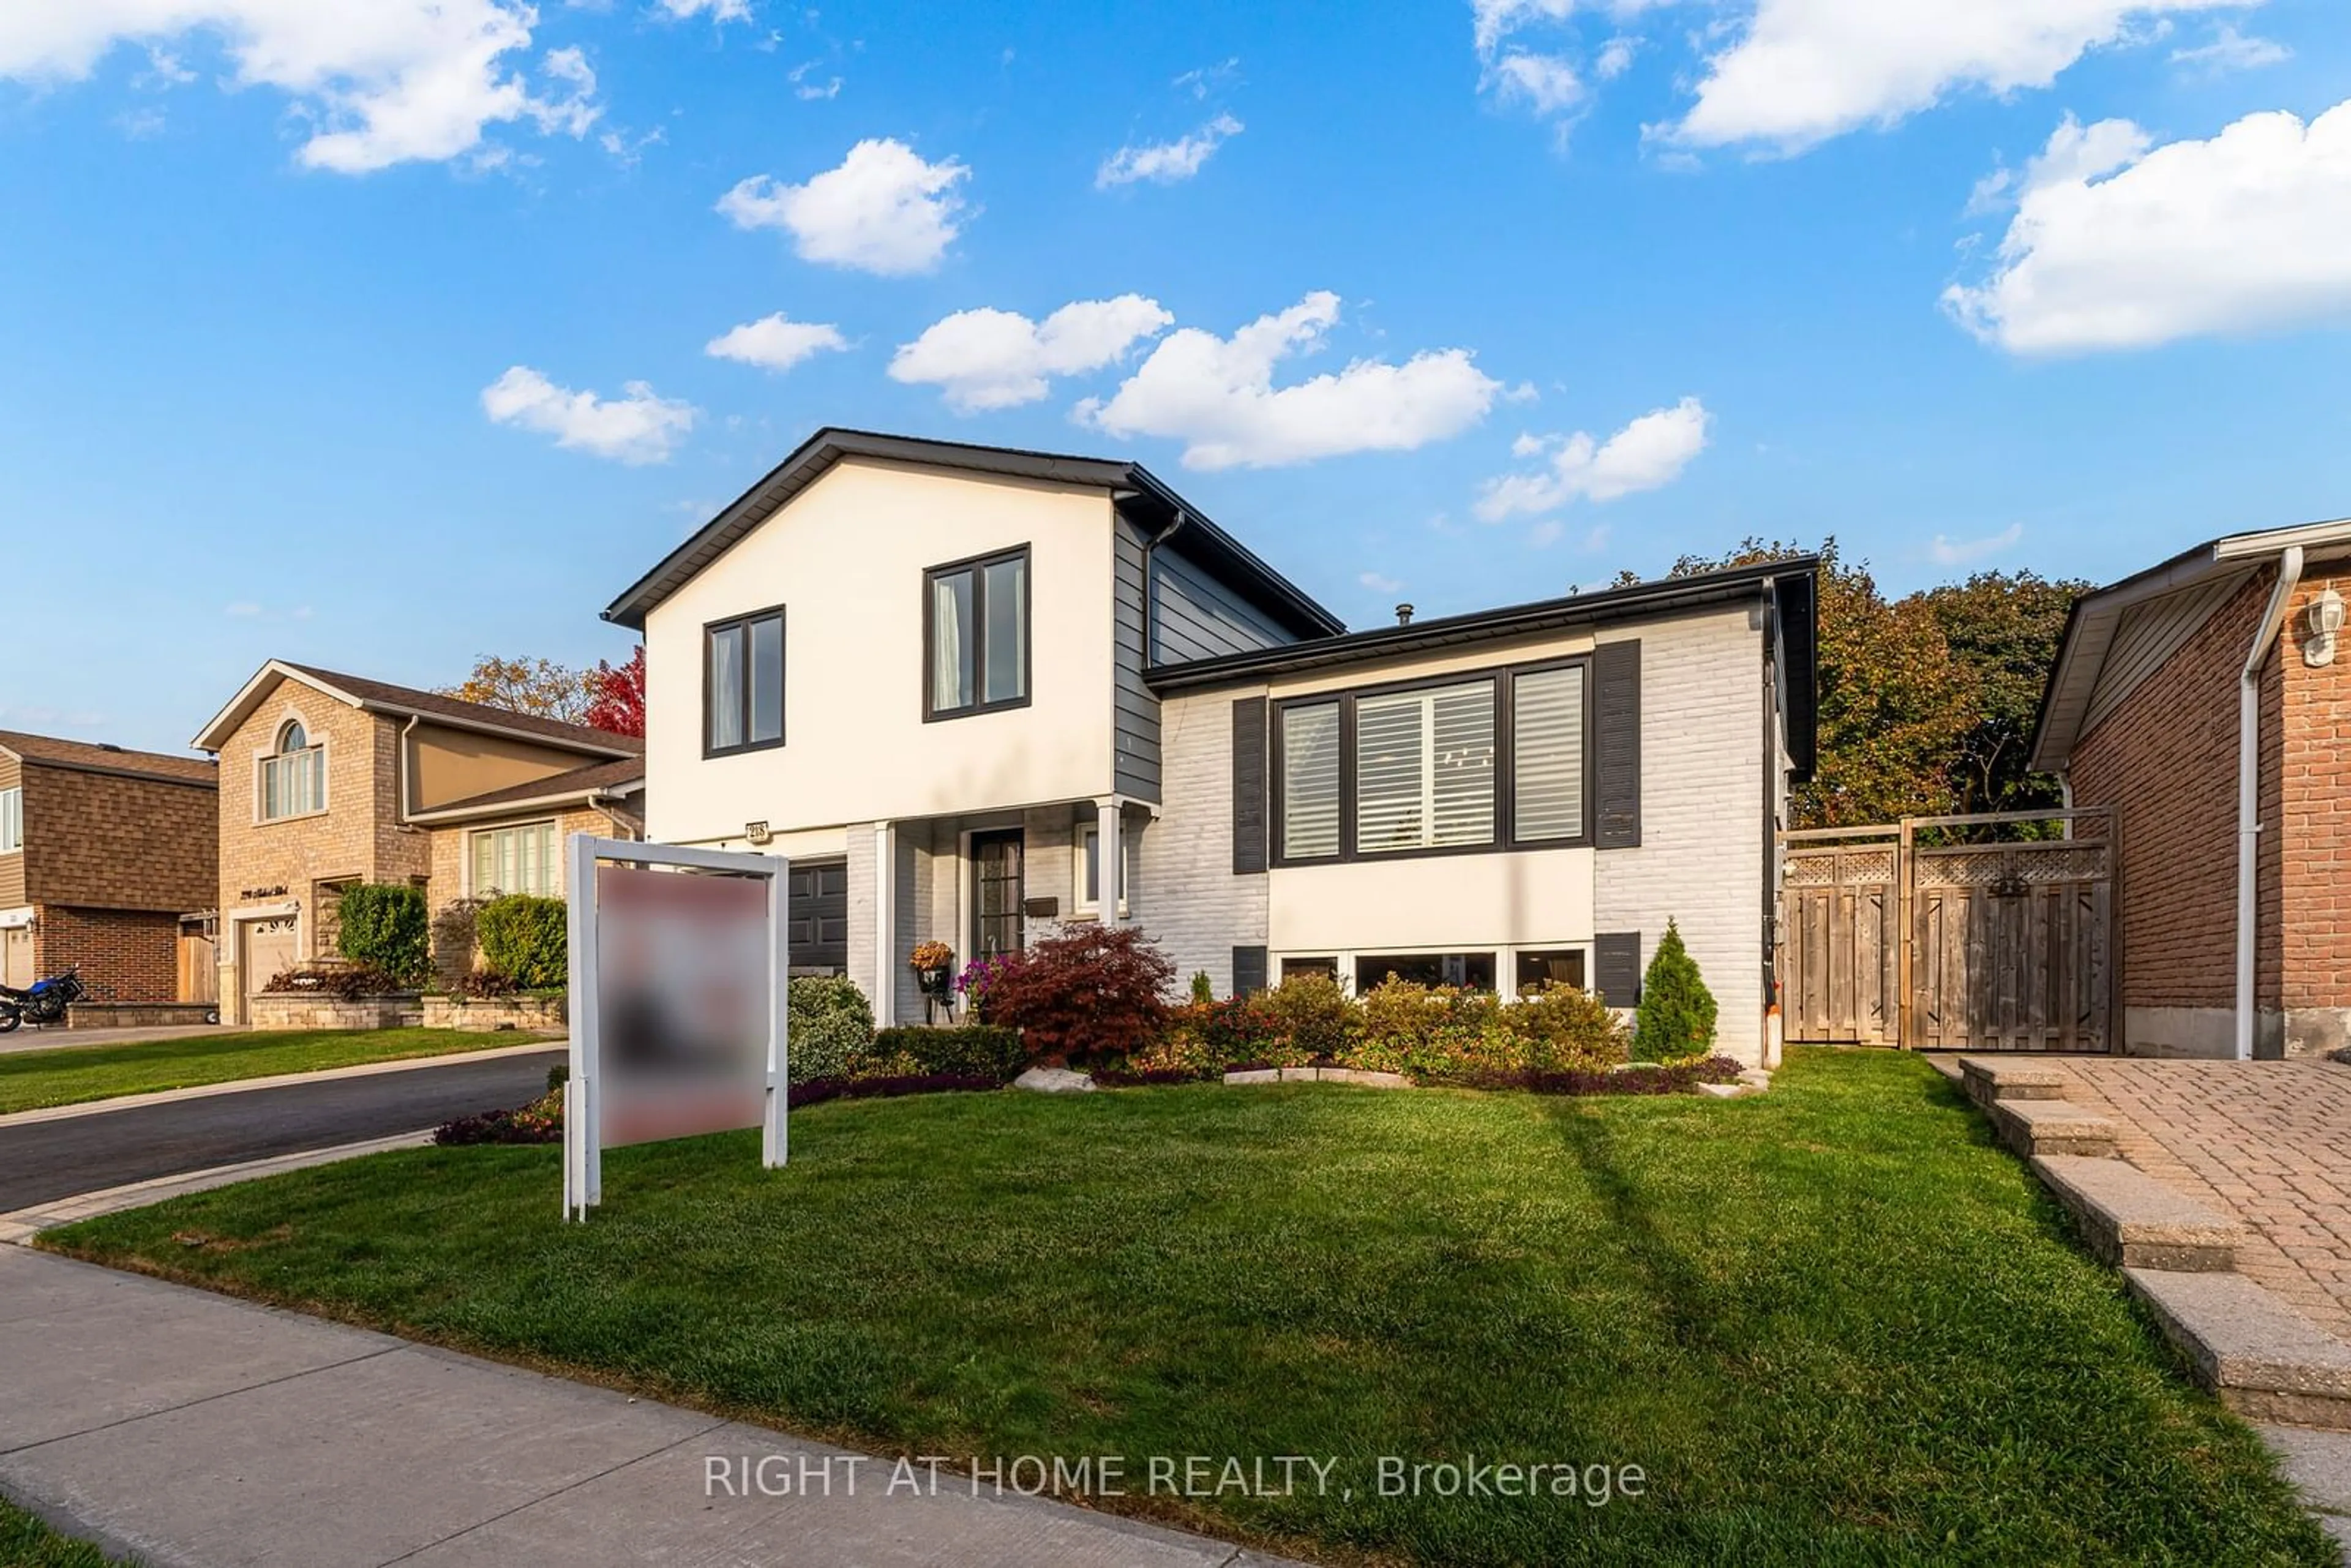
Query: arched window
[294,779]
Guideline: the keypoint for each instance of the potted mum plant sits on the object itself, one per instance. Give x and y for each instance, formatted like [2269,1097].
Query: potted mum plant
[933,964]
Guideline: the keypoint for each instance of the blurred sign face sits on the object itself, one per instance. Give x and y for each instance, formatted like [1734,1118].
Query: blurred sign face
[682,1003]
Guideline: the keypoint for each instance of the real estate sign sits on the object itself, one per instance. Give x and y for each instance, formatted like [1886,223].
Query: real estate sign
[678,1001]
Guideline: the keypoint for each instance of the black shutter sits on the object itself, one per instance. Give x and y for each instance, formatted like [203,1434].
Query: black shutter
[1616,741]
[1616,968]
[1249,970]
[1249,793]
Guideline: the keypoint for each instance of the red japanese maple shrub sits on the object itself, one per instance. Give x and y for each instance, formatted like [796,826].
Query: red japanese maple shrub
[1092,991]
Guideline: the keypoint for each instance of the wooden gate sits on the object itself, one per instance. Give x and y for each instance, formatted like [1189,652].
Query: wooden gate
[1938,940]
[1840,960]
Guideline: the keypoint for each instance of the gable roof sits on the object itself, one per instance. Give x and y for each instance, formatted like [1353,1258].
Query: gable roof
[407,702]
[2119,634]
[89,756]
[1133,488]
[596,781]
[1792,585]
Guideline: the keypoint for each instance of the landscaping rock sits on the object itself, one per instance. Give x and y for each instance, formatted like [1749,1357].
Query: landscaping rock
[1255,1075]
[1053,1080]
[1727,1091]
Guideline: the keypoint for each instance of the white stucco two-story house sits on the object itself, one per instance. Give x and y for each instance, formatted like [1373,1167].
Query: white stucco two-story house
[972,693]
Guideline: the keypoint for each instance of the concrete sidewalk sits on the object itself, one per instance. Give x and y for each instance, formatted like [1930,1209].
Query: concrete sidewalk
[192,1429]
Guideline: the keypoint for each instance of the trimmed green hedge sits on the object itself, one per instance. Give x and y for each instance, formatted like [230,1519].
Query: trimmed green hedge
[975,1049]
[384,927]
[831,1027]
[525,938]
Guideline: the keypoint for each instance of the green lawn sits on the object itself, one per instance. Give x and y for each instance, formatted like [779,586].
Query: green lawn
[1832,1324]
[26,1542]
[70,1074]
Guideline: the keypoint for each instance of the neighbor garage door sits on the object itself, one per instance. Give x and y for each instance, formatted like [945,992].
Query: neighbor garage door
[819,915]
[269,952]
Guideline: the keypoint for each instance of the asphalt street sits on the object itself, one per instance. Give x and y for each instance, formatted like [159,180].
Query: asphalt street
[44,1161]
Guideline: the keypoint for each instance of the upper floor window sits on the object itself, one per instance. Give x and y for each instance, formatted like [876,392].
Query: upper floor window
[516,860]
[1483,761]
[743,683]
[975,635]
[12,821]
[294,778]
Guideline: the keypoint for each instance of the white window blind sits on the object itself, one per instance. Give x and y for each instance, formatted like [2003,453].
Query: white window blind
[293,784]
[516,860]
[1425,768]
[1547,757]
[12,821]
[1310,781]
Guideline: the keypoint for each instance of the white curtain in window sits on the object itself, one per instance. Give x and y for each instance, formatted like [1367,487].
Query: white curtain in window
[1547,755]
[1310,781]
[951,641]
[726,714]
[516,860]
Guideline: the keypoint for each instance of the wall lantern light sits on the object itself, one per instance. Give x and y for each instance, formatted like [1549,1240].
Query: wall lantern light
[2325,618]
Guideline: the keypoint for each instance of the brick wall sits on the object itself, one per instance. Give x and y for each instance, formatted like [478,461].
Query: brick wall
[1700,863]
[2166,758]
[449,857]
[1192,903]
[125,955]
[2308,842]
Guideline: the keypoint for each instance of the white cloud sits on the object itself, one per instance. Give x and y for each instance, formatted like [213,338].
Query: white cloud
[379,81]
[1379,584]
[1199,83]
[998,359]
[1947,551]
[1216,395]
[716,10]
[1646,455]
[638,427]
[2116,246]
[884,210]
[776,342]
[809,91]
[2231,51]
[1492,21]
[1545,83]
[1165,162]
[1805,71]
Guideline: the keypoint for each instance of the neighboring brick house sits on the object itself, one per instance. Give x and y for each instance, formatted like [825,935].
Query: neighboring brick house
[330,779]
[974,693]
[2150,709]
[103,854]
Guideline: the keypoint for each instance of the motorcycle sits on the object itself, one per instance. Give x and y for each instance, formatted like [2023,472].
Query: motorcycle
[44,1002]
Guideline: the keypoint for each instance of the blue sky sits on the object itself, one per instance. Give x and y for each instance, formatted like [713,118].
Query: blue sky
[377,334]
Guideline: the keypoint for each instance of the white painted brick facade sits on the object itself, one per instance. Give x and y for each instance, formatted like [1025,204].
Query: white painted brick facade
[1701,860]
[1193,905]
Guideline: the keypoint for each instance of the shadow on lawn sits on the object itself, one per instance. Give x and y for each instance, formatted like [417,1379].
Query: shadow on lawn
[1637,1220]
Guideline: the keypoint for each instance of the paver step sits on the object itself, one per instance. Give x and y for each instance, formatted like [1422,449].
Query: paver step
[2035,1127]
[2265,1360]
[1988,1079]
[2130,1219]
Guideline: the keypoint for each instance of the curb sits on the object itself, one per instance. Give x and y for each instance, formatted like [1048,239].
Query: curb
[275,1081]
[20,1226]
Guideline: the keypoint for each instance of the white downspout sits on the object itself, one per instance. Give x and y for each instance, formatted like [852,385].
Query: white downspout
[2249,787]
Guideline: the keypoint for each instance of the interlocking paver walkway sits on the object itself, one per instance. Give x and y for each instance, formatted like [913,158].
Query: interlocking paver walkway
[2270,1141]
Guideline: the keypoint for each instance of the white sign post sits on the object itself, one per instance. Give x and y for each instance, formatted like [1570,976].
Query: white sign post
[680,996]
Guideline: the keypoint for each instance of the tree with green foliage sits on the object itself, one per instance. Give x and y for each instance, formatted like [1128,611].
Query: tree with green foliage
[1926,701]
[1676,1012]
[383,926]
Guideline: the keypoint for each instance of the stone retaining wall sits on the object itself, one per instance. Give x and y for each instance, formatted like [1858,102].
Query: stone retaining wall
[283,1009]
[538,1014]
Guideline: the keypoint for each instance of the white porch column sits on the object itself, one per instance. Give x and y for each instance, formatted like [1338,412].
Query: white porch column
[886,924]
[1110,852]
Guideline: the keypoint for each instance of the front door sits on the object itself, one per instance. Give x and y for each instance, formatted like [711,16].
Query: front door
[996,892]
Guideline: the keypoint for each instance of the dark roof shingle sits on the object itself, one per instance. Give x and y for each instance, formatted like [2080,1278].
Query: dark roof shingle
[89,757]
[435,705]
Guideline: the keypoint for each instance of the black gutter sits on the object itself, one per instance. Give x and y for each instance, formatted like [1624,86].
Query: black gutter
[1663,596]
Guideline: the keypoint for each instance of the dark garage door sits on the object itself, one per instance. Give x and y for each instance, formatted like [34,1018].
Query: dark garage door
[819,915]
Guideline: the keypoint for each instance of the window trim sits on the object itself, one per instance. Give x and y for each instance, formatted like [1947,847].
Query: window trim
[554,859]
[316,745]
[1078,903]
[783,640]
[977,566]
[13,796]
[1506,839]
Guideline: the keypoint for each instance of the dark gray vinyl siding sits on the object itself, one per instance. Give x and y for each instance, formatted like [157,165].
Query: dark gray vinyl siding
[1197,617]
[1134,726]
